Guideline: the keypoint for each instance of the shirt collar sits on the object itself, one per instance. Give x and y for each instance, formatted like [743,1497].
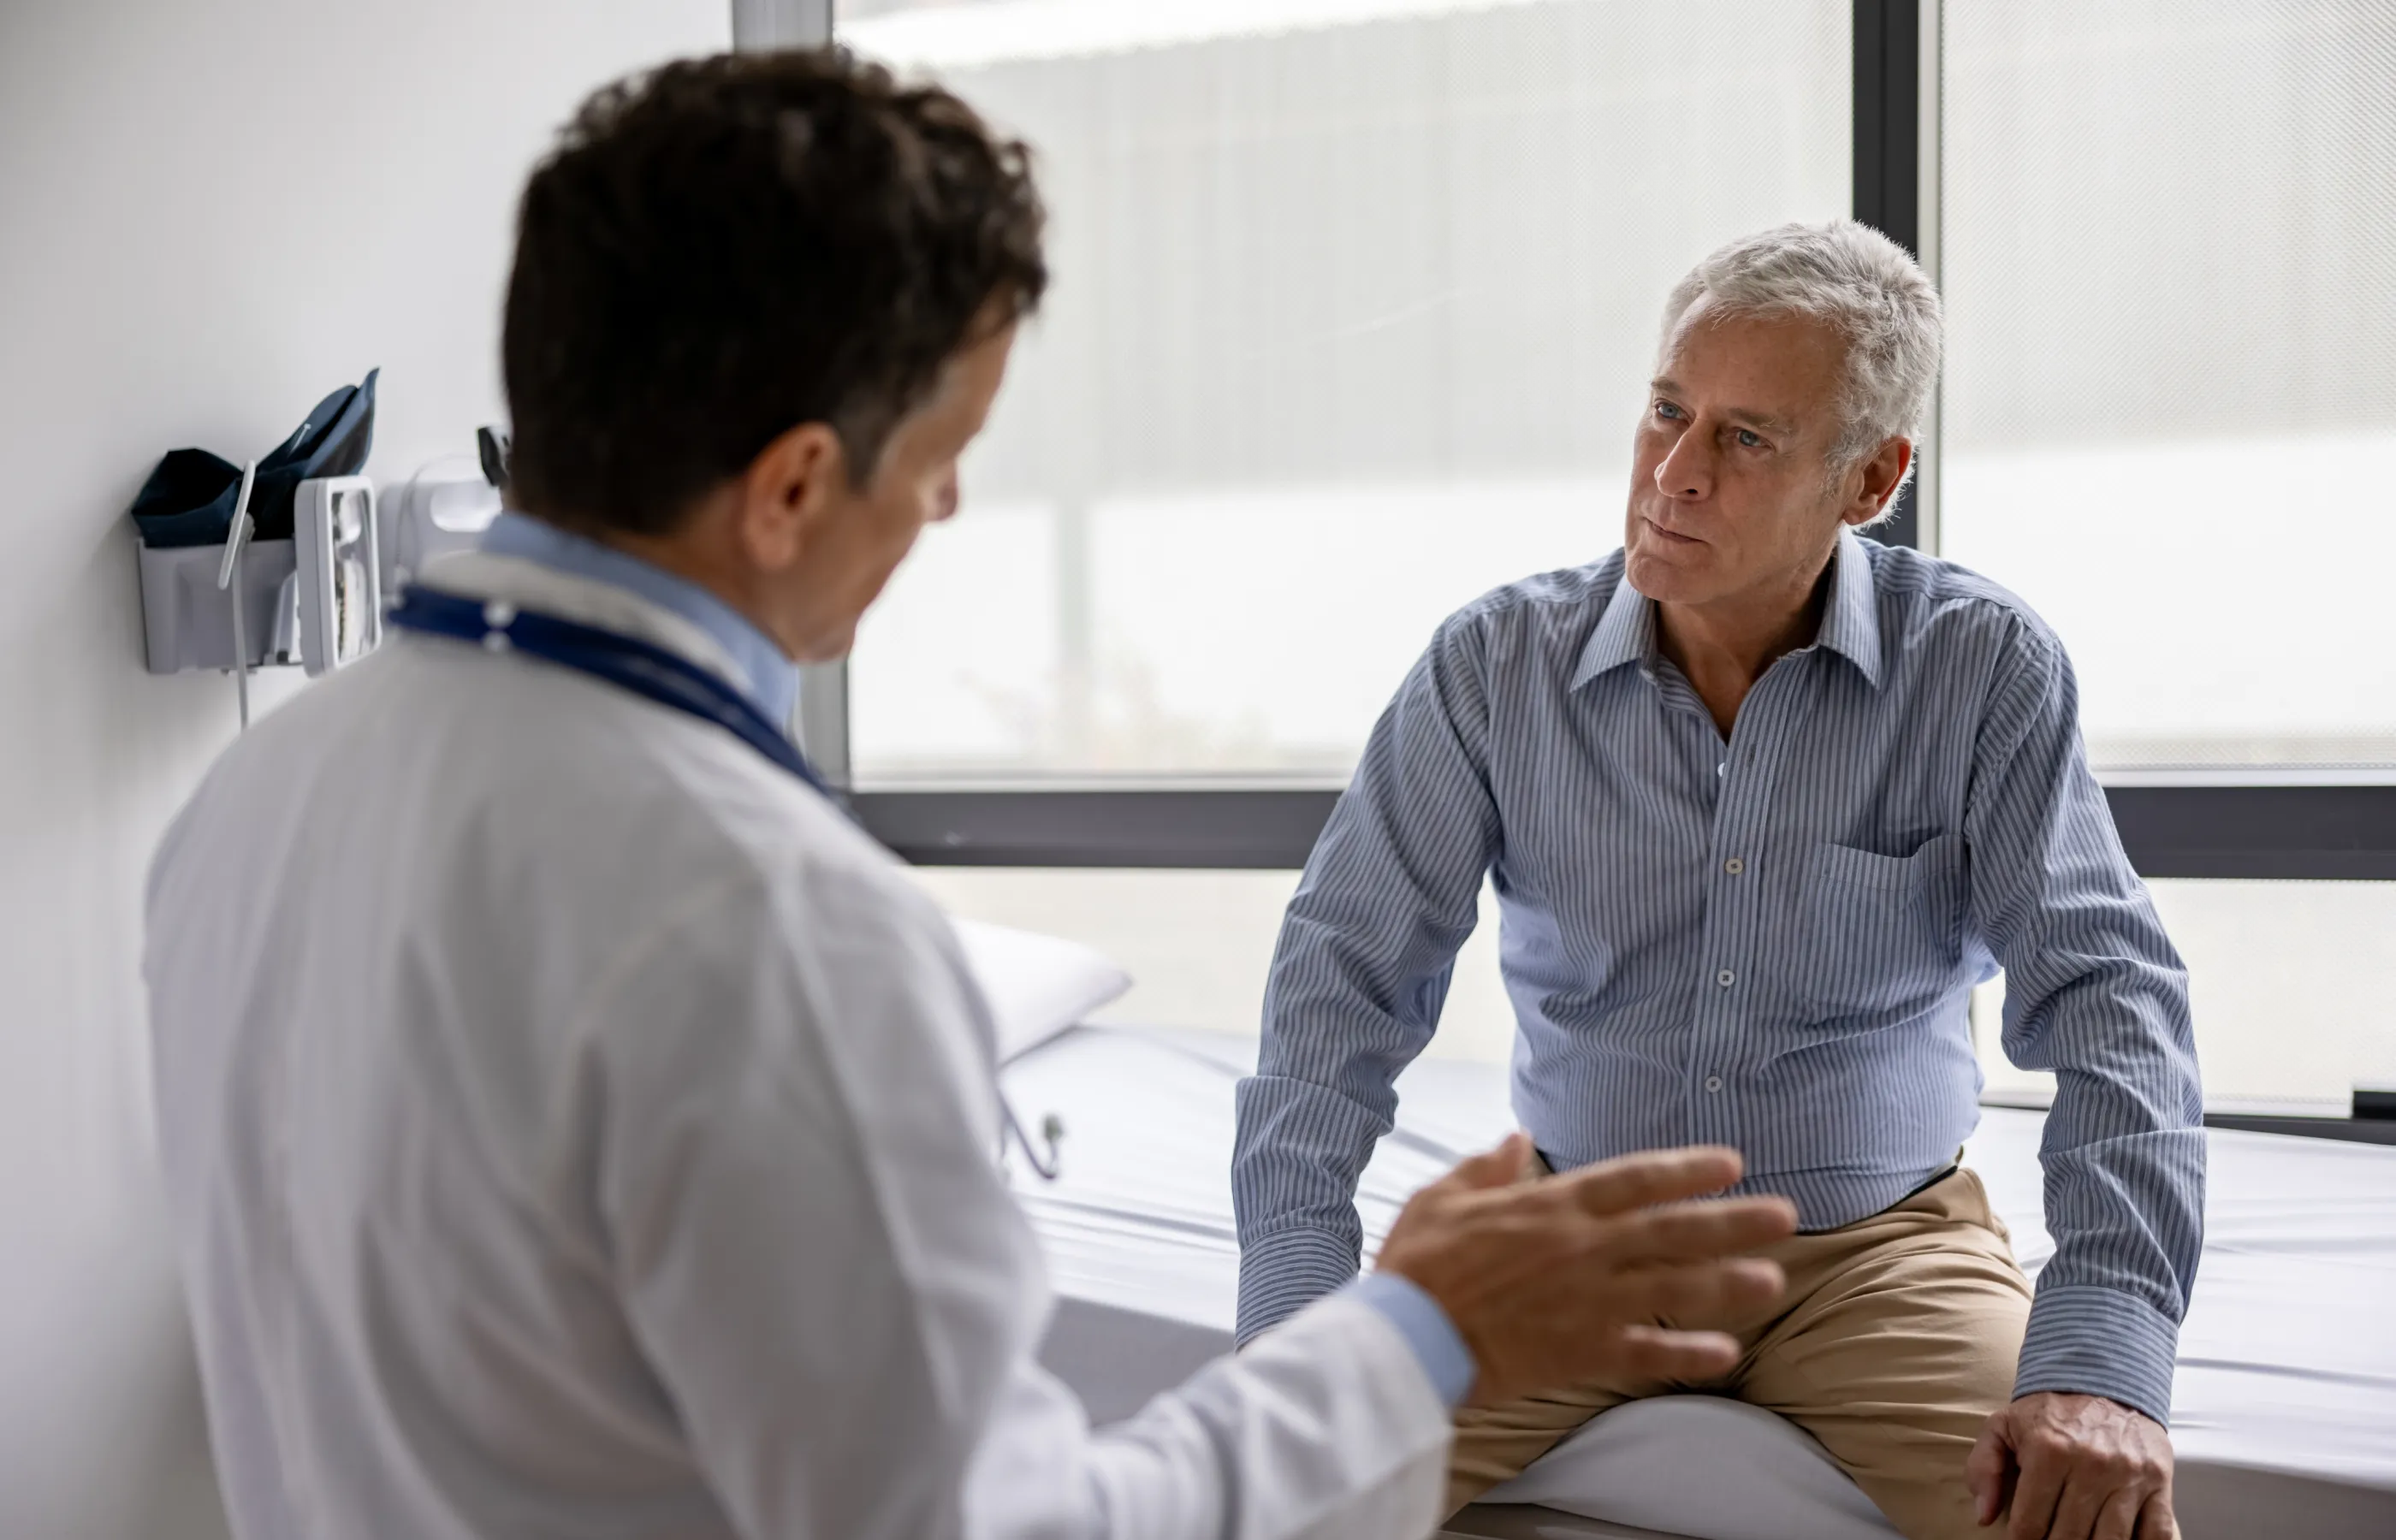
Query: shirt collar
[1626,632]
[772,679]
[1851,620]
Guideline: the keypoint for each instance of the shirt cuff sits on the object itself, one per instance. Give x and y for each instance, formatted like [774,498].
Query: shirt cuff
[1445,1361]
[2091,1341]
[1282,1274]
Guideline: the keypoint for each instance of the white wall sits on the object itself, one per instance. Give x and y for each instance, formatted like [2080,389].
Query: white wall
[209,215]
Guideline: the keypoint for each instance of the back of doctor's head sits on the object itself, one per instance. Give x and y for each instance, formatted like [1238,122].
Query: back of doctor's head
[728,247]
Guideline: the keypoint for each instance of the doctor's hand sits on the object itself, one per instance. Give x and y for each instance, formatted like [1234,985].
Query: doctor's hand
[2073,1468]
[1560,1280]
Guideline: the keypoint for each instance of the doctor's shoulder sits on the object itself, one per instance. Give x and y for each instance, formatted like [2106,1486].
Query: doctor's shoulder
[841,900]
[887,981]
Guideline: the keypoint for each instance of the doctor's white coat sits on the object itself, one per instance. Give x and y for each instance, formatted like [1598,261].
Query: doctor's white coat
[575,1127]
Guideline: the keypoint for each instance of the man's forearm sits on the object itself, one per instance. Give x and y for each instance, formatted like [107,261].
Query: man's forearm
[2094,992]
[2126,1210]
[1294,1171]
[1390,892]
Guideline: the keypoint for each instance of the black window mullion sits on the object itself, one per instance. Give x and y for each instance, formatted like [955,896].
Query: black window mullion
[1887,129]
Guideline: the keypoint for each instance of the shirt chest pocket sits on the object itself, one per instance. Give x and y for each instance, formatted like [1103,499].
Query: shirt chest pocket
[1880,933]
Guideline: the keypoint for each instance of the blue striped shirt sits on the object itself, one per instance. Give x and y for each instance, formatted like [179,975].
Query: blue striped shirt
[1768,943]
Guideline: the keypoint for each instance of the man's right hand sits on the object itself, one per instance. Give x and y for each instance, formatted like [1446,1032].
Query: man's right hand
[1561,1279]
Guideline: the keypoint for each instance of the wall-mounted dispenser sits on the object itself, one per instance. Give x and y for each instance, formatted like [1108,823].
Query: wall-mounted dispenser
[187,620]
[269,563]
[315,600]
[339,572]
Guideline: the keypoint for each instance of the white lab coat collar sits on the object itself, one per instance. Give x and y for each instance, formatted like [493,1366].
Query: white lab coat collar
[531,586]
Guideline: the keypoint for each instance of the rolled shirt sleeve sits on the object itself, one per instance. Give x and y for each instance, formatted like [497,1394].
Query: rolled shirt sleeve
[2096,993]
[1358,979]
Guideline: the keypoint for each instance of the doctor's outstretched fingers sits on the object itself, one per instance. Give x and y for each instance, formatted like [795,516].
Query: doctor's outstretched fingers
[1555,1279]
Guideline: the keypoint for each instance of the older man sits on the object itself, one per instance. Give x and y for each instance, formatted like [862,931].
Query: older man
[1761,802]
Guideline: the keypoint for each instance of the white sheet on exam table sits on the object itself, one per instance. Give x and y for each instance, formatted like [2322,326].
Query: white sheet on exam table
[1140,1243]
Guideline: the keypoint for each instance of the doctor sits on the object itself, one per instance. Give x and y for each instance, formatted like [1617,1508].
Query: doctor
[573,1125]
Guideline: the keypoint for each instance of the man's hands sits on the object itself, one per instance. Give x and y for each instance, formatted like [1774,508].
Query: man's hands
[1559,1281]
[2074,1467]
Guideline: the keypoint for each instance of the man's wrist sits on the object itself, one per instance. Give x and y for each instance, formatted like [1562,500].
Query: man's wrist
[1284,1273]
[2066,1396]
[2093,1341]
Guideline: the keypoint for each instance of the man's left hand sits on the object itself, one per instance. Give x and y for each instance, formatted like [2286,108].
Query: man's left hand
[2074,1467]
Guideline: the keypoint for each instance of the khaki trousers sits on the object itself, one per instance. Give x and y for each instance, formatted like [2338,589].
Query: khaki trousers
[1896,1341]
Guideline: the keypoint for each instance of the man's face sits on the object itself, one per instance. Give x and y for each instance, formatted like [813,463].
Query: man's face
[1730,490]
[869,530]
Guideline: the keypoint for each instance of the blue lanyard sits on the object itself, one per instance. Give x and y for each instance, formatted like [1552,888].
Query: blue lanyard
[626,662]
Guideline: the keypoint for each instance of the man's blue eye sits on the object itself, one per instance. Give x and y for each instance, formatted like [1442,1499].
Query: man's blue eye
[1747,439]
[1666,409]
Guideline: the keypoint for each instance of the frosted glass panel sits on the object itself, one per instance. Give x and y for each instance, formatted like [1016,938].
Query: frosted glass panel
[1354,303]
[1199,944]
[2293,986]
[2170,400]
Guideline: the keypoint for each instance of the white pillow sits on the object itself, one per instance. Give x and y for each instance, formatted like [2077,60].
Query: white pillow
[1037,985]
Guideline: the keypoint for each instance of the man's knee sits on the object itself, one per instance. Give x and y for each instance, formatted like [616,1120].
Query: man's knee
[1901,1354]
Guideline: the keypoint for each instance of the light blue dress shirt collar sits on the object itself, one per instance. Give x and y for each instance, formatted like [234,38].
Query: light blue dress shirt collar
[773,678]
[1626,632]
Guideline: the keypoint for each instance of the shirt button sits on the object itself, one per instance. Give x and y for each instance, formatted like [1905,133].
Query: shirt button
[1714,1082]
[1726,978]
[1723,768]
[1734,865]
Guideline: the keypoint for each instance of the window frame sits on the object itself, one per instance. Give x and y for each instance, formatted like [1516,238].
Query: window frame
[2284,825]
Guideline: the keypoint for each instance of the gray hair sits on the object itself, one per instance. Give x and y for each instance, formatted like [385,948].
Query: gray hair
[1865,287]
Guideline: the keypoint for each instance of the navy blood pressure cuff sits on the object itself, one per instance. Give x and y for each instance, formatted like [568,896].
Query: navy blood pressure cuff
[189,499]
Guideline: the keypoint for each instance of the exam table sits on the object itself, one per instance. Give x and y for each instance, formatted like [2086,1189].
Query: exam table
[2284,1415]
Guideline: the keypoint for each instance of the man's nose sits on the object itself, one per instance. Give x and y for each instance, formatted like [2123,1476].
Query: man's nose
[1687,470]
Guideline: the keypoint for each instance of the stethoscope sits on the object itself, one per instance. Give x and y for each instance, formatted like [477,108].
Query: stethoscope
[651,672]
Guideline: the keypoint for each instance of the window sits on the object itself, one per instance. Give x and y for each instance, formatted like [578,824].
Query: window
[2169,260]
[1353,304]
[1353,300]
[1198,944]
[2169,413]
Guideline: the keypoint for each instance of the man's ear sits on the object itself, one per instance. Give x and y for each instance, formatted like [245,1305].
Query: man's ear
[1882,475]
[788,493]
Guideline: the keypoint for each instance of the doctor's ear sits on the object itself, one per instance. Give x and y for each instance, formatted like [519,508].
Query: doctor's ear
[794,487]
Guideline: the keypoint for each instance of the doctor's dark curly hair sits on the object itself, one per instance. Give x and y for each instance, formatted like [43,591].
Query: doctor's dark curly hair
[728,247]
